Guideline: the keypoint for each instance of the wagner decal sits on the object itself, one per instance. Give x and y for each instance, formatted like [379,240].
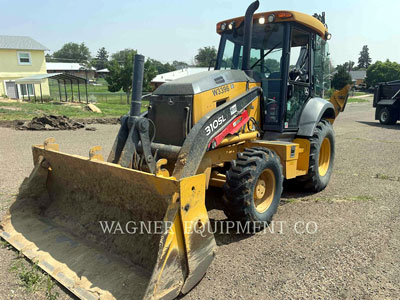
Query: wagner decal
[221,90]
[214,125]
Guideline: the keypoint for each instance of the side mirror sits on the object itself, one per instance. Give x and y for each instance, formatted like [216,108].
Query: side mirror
[290,91]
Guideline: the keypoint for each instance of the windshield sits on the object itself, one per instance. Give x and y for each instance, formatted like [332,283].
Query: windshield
[265,61]
[266,52]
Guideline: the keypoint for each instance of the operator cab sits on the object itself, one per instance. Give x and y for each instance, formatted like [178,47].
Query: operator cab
[288,58]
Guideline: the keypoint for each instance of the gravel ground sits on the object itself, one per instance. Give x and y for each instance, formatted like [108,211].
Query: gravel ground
[354,253]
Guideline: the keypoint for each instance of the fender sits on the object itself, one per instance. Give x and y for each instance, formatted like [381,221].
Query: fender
[314,110]
[387,102]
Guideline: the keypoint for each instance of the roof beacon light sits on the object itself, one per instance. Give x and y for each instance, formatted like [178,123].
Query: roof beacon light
[261,20]
[284,15]
[271,18]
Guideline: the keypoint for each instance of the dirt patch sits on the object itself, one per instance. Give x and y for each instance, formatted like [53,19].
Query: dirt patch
[50,122]
[18,123]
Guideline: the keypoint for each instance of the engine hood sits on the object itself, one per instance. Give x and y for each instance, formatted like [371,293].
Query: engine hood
[200,82]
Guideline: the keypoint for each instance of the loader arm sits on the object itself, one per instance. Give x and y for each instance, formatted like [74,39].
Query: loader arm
[213,123]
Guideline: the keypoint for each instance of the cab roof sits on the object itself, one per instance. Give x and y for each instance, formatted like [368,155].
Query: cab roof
[283,16]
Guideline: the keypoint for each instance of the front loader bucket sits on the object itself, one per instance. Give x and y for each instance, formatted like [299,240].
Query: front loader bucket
[108,232]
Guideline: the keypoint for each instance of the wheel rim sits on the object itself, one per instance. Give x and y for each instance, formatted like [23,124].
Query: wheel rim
[384,116]
[264,191]
[324,157]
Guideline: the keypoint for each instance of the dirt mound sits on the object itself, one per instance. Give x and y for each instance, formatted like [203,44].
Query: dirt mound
[50,122]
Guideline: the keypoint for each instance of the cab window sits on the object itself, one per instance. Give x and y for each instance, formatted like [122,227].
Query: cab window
[299,76]
[321,67]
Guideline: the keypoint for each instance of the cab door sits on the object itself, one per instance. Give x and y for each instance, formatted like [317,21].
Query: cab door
[299,77]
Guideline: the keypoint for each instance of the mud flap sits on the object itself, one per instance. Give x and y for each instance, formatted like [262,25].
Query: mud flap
[57,222]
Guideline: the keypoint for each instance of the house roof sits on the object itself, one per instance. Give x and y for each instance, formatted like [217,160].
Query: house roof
[57,66]
[103,71]
[39,78]
[356,75]
[169,76]
[20,43]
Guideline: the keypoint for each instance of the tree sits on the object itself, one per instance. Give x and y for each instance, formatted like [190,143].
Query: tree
[101,59]
[382,72]
[121,70]
[205,56]
[179,65]
[73,51]
[349,65]
[160,67]
[122,55]
[364,61]
[272,65]
[150,71]
[341,78]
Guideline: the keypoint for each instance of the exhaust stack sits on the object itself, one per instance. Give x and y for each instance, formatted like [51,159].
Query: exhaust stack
[248,32]
[137,85]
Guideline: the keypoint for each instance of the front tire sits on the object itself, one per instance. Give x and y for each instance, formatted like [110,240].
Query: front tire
[322,156]
[253,186]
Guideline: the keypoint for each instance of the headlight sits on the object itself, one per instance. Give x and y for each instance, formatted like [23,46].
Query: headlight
[271,18]
[328,35]
[261,20]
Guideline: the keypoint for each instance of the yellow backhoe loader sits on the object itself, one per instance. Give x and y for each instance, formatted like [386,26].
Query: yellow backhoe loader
[258,118]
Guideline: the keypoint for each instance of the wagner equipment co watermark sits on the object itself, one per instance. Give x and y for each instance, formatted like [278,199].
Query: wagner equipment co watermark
[204,229]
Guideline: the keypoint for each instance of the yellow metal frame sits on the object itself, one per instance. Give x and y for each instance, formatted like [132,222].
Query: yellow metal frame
[298,17]
[294,156]
[206,101]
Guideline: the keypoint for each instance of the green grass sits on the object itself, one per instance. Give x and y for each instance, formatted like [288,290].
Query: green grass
[382,176]
[28,110]
[387,177]
[29,275]
[5,245]
[33,279]
[359,93]
[357,100]
[361,198]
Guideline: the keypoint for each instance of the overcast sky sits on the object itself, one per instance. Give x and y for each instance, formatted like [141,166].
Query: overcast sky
[174,30]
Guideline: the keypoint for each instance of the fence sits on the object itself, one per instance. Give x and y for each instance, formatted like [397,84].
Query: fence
[96,93]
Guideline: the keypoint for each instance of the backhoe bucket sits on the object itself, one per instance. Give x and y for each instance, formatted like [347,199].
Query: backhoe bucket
[108,232]
[339,99]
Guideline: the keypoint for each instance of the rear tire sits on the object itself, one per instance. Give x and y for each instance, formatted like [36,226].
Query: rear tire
[322,156]
[387,116]
[253,186]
